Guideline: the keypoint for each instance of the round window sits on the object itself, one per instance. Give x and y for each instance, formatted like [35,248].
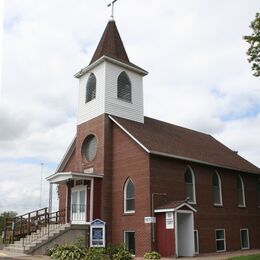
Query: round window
[90,147]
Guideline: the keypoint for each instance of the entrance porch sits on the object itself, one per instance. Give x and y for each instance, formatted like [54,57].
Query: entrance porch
[175,229]
[83,196]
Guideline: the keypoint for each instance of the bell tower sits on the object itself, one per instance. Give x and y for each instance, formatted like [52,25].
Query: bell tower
[111,84]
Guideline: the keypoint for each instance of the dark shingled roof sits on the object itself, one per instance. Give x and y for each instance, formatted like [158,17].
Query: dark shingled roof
[178,141]
[171,204]
[111,45]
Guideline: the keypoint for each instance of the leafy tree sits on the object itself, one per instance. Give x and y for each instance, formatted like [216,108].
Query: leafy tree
[254,50]
[3,215]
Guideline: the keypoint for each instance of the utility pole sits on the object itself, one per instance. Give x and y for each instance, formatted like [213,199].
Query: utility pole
[41,185]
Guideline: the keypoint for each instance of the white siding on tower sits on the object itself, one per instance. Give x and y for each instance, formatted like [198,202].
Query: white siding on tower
[106,100]
[113,105]
[95,107]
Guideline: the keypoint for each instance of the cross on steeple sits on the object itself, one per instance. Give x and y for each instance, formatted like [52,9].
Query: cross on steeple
[112,8]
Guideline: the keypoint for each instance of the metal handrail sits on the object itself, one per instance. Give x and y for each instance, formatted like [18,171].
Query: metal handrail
[24,225]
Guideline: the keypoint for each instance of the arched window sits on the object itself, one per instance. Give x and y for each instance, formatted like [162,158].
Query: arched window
[258,192]
[124,89]
[240,192]
[216,188]
[190,185]
[91,88]
[129,197]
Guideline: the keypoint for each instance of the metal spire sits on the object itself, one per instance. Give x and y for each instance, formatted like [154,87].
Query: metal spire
[112,8]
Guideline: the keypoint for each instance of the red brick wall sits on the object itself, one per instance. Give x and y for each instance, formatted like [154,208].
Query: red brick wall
[77,161]
[167,175]
[129,160]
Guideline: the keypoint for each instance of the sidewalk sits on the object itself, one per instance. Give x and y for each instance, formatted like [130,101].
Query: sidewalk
[216,256]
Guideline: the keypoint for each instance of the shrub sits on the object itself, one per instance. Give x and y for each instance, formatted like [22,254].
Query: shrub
[114,249]
[152,255]
[67,252]
[93,253]
[122,255]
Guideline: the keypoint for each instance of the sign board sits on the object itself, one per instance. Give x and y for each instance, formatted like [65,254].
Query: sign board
[169,220]
[148,220]
[97,233]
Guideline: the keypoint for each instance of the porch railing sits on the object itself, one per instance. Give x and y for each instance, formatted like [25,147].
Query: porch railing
[33,222]
[78,213]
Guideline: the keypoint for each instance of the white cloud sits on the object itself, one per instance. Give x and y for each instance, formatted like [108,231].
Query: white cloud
[194,51]
[20,187]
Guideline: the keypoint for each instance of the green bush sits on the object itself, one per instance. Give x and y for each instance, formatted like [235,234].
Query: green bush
[152,255]
[122,255]
[93,253]
[114,249]
[67,252]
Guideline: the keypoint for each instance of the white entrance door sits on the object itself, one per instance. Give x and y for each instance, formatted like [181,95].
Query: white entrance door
[78,205]
[185,234]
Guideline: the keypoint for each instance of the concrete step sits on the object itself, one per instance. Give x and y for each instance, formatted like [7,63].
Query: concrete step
[37,238]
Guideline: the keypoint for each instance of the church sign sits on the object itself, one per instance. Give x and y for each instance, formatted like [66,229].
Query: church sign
[169,220]
[97,233]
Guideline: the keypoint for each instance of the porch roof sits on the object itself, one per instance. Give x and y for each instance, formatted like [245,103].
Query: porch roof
[61,177]
[174,206]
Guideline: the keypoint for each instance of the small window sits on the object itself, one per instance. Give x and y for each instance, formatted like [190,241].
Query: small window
[124,89]
[129,241]
[240,192]
[129,197]
[196,241]
[91,88]
[90,147]
[244,237]
[258,192]
[190,186]
[220,240]
[216,188]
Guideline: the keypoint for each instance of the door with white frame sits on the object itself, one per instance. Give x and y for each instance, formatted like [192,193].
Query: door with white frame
[79,205]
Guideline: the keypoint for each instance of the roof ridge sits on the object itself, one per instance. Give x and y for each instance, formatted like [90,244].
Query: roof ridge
[183,127]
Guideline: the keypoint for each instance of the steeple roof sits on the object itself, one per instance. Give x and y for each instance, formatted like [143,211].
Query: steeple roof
[111,45]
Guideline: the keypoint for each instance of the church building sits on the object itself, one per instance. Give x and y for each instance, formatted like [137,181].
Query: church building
[157,186]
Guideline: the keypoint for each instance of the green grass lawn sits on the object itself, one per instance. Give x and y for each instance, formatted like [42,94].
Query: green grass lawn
[245,257]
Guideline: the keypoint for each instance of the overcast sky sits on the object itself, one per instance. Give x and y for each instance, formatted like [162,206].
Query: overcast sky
[199,77]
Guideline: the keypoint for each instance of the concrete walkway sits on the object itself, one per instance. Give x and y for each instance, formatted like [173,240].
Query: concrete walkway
[216,256]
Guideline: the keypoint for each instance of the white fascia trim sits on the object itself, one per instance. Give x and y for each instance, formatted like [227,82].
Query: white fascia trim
[66,156]
[114,61]
[198,161]
[120,126]
[63,176]
[175,209]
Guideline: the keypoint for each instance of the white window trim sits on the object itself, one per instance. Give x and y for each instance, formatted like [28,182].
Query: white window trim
[86,94]
[220,239]
[243,193]
[244,248]
[197,236]
[194,186]
[125,186]
[127,231]
[131,92]
[220,191]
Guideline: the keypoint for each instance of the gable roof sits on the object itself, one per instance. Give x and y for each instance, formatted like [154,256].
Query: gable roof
[174,206]
[161,138]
